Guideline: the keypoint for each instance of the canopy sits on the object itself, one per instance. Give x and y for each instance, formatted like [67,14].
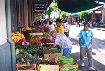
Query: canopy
[74,15]
[73,6]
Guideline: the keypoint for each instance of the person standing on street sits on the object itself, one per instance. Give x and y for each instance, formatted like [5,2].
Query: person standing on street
[85,42]
[66,28]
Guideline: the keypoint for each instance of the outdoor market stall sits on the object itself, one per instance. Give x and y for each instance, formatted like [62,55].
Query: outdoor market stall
[33,54]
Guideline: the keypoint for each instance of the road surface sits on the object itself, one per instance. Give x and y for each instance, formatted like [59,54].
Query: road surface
[98,44]
[99,37]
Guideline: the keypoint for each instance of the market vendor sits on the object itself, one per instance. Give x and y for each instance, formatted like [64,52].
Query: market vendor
[63,42]
[59,28]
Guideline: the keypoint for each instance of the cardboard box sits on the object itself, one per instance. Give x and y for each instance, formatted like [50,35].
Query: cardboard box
[50,67]
[52,57]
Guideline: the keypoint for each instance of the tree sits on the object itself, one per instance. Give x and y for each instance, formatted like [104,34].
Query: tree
[83,15]
[62,15]
[55,3]
[40,18]
[49,11]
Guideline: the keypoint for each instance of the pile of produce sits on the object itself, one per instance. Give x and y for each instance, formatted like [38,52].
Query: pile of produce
[27,29]
[45,34]
[70,69]
[52,51]
[65,60]
[17,37]
[37,39]
[28,54]
[46,40]
[46,62]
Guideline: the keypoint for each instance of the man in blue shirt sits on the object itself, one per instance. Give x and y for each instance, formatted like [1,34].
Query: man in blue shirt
[85,42]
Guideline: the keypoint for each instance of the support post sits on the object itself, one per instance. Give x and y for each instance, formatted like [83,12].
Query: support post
[9,39]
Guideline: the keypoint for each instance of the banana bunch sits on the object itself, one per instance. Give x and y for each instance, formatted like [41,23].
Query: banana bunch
[27,29]
[16,37]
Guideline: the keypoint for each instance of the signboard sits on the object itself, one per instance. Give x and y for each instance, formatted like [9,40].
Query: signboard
[39,7]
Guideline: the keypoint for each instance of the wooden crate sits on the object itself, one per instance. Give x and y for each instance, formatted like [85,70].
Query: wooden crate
[75,65]
[51,57]
[50,67]
[71,66]
[26,67]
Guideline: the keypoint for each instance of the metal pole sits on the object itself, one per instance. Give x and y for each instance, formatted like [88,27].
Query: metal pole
[9,39]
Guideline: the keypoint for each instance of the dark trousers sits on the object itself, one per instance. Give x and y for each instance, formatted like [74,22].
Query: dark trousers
[66,33]
[83,52]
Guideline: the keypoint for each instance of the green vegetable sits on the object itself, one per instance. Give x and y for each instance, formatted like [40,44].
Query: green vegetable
[51,51]
[66,60]
[70,69]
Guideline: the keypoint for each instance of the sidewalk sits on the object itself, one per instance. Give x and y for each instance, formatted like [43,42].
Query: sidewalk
[98,59]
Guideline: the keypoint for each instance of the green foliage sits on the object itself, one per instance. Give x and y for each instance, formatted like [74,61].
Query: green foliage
[49,10]
[55,3]
[40,17]
[83,15]
[62,15]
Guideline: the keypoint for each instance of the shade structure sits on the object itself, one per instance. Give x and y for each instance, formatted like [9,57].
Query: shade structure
[73,6]
[101,0]
[74,15]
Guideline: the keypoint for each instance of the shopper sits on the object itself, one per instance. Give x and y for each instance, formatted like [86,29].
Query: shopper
[66,28]
[59,28]
[51,26]
[63,42]
[85,42]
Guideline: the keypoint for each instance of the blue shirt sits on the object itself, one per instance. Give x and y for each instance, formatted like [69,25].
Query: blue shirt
[62,41]
[86,37]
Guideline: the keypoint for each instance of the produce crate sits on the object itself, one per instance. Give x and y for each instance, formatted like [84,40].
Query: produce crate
[26,67]
[35,43]
[75,65]
[50,67]
[52,57]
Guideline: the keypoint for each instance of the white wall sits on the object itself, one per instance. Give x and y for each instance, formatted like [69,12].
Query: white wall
[3,34]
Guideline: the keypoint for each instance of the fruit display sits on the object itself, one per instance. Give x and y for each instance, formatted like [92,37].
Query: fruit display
[46,62]
[17,37]
[26,55]
[27,29]
[52,51]
[45,34]
[65,60]
[27,52]
[35,39]
[46,40]
[69,69]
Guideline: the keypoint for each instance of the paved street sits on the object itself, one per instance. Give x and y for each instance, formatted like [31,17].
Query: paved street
[99,37]
[98,44]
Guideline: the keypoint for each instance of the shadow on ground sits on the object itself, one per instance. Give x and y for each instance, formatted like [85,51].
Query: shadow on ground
[98,66]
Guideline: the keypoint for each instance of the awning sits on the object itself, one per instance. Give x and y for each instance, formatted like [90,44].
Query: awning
[74,15]
[101,0]
[73,6]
